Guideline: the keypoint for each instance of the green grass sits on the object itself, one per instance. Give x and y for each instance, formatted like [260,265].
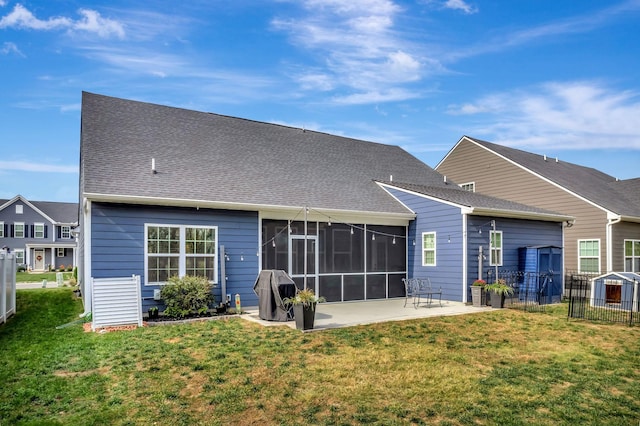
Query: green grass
[32,277]
[502,367]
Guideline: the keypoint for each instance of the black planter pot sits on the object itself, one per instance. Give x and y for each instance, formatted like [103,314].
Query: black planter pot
[497,300]
[304,316]
[153,314]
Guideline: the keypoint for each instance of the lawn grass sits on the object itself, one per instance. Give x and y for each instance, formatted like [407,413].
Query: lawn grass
[35,277]
[501,367]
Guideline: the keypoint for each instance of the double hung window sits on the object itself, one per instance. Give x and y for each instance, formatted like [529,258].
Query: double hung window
[428,249]
[496,248]
[180,250]
[589,256]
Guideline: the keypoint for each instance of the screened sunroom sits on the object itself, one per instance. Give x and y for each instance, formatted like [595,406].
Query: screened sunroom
[341,262]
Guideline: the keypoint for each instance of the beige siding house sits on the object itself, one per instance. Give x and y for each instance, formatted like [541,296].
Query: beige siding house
[606,233]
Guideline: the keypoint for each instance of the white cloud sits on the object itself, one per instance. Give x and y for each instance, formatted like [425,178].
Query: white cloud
[548,31]
[24,166]
[460,5]
[9,47]
[94,23]
[570,115]
[3,3]
[360,48]
[90,22]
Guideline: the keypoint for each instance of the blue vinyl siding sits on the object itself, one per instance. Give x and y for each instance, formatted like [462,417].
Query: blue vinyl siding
[446,221]
[118,240]
[516,233]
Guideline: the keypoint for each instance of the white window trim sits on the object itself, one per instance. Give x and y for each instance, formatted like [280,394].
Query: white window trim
[491,248]
[633,255]
[68,232]
[589,257]
[15,230]
[15,253]
[471,184]
[35,230]
[58,252]
[435,249]
[2,229]
[182,261]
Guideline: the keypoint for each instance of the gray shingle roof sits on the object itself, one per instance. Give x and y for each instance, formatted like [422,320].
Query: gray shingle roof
[216,158]
[620,197]
[453,194]
[59,212]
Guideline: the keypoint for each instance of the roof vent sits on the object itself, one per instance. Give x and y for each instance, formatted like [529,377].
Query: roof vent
[445,179]
[556,159]
[390,178]
[545,157]
[153,166]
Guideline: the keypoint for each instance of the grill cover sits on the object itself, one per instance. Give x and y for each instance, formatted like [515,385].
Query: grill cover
[271,287]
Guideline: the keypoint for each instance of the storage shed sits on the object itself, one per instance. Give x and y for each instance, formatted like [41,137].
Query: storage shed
[618,290]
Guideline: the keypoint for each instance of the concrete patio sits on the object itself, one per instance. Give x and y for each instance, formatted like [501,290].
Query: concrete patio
[348,314]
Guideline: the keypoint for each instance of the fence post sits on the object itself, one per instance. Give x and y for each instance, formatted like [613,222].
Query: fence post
[634,301]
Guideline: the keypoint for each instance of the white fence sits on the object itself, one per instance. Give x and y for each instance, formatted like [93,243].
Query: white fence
[7,286]
[116,301]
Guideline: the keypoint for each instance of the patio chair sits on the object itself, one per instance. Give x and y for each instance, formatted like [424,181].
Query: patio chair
[424,288]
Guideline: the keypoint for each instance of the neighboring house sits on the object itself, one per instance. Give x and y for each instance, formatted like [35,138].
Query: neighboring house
[605,235]
[39,233]
[168,191]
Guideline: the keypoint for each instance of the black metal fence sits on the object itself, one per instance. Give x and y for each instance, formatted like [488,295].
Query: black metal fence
[531,291]
[583,304]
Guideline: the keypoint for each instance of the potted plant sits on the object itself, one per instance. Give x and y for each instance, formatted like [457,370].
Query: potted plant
[304,308]
[499,290]
[478,293]
[153,312]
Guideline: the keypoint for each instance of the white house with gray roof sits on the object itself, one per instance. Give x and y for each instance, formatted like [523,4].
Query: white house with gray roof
[167,191]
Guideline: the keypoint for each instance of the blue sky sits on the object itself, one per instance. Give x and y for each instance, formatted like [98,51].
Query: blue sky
[552,77]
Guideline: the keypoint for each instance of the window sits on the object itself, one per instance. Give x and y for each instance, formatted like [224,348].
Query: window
[180,250]
[428,249]
[19,208]
[18,230]
[496,248]
[19,253]
[632,255]
[471,186]
[38,229]
[1,229]
[589,256]
[60,252]
[65,232]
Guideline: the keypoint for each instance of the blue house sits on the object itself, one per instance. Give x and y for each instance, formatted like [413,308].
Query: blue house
[167,191]
[39,233]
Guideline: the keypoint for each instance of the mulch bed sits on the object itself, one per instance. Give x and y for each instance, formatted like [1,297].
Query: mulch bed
[161,320]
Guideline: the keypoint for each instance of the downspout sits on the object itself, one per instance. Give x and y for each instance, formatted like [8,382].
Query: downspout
[610,224]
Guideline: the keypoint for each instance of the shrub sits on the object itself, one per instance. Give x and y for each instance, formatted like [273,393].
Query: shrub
[186,296]
[61,268]
[69,268]
[22,268]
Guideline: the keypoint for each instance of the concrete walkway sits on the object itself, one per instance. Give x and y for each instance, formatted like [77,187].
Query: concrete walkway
[337,315]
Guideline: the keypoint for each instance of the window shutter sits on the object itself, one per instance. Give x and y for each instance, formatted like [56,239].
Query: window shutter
[59,232]
[26,231]
[12,231]
[46,227]
[6,229]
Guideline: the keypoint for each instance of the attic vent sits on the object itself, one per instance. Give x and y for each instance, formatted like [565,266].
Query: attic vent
[390,178]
